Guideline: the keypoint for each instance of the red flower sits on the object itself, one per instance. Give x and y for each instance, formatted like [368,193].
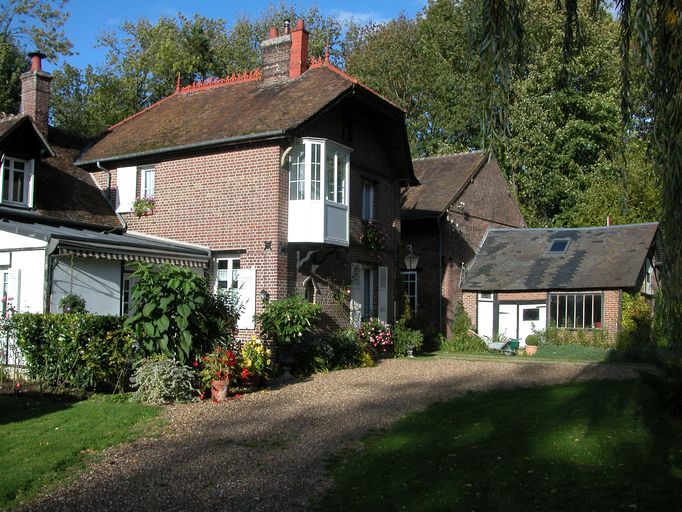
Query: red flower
[245,373]
[195,363]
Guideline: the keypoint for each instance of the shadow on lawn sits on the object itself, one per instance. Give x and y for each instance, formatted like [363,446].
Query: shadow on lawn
[515,448]
[24,406]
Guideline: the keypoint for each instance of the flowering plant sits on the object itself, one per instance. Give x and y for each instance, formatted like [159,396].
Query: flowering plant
[373,237]
[376,334]
[142,205]
[221,364]
[256,359]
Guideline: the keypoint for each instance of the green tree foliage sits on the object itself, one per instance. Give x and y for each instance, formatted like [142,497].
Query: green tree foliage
[144,60]
[428,67]
[28,25]
[287,321]
[564,124]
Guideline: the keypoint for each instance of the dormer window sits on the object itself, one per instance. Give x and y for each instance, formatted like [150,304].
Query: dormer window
[318,192]
[17,182]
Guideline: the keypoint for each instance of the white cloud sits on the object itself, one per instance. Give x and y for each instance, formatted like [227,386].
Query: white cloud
[343,17]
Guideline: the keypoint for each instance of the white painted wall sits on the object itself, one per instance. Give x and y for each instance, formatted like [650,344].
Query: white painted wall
[97,281]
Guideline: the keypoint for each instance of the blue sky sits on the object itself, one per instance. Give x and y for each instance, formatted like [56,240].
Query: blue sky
[90,17]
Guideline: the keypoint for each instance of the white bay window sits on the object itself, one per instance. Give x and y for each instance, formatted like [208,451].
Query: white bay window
[315,218]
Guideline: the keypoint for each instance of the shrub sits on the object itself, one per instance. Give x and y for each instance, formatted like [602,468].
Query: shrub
[175,315]
[286,321]
[582,337]
[462,340]
[347,349]
[636,323]
[406,340]
[256,358]
[77,350]
[533,340]
[376,336]
[161,380]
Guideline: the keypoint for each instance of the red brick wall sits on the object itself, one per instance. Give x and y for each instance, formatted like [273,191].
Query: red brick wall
[488,203]
[35,97]
[236,199]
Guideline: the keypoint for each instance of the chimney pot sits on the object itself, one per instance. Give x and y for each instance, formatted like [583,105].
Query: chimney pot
[37,61]
[273,33]
[287,27]
[300,24]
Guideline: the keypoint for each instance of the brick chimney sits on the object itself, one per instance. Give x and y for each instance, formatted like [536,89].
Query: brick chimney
[35,92]
[285,56]
[299,50]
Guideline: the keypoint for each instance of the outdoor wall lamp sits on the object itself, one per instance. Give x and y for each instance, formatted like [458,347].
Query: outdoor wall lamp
[264,295]
[411,260]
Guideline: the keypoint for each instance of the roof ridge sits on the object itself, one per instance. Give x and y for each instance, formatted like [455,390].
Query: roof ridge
[323,62]
[581,228]
[461,153]
[234,78]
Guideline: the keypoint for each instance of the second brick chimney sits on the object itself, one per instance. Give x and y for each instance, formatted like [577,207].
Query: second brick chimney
[35,92]
[285,56]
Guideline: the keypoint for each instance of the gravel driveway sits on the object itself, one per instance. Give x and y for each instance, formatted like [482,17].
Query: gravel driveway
[267,450]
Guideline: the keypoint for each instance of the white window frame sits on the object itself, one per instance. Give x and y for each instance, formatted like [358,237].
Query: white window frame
[332,168]
[408,276]
[368,191]
[148,182]
[232,270]
[8,163]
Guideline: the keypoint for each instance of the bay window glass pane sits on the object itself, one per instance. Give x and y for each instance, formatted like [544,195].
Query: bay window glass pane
[570,312]
[330,175]
[589,323]
[562,311]
[297,174]
[315,170]
[341,179]
[579,316]
[597,311]
[148,185]
[553,310]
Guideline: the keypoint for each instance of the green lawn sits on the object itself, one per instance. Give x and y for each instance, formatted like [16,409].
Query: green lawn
[42,440]
[602,445]
[572,353]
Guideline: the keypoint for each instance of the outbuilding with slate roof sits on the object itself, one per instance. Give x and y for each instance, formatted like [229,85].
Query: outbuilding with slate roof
[528,279]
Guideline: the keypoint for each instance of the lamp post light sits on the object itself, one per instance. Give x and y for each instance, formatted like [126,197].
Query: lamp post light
[411,260]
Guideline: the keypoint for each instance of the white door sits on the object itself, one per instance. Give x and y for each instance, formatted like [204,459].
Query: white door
[532,317]
[246,288]
[485,320]
[508,320]
[356,294]
[383,294]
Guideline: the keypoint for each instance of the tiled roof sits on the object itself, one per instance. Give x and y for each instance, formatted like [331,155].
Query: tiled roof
[66,192]
[222,113]
[442,179]
[596,258]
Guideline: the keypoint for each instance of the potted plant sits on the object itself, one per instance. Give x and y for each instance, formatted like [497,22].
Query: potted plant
[72,303]
[218,368]
[532,344]
[144,206]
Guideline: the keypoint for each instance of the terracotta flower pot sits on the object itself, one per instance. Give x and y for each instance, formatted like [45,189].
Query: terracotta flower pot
[531,349]
[219,390]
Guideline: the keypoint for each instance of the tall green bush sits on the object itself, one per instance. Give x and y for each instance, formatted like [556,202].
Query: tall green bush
[461,340]
[287,321]
[77,350]
[635,323]
[174,314]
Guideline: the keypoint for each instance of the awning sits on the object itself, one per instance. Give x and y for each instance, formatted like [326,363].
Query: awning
[121,256]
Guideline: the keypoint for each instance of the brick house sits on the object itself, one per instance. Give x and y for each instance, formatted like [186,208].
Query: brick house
[528,279]
[444,220]
[275,172]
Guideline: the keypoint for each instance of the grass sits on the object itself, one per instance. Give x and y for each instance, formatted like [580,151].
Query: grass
[572,353]
[600,445]
[43,439]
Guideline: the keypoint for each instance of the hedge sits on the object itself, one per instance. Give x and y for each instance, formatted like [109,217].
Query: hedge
[83,351]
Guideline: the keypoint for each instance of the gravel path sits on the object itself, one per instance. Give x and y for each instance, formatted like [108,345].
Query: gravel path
[267,451]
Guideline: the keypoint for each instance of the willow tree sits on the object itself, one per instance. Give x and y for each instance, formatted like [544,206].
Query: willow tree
[653,28]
